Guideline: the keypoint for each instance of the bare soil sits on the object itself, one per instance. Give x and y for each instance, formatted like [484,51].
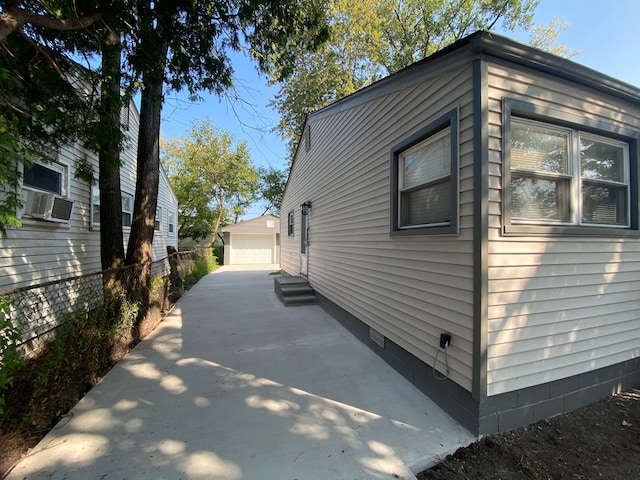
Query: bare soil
[599,441]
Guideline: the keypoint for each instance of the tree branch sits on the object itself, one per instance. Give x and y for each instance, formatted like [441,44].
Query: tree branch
[13,18]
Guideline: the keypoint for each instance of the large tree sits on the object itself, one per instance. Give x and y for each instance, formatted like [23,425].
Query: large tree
[272,183]
[212,176]
[374,38]
[178,44]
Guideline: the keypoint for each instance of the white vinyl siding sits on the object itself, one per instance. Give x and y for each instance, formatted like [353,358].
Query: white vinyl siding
[42,251]
[558,305]
[167,202]
[410,288]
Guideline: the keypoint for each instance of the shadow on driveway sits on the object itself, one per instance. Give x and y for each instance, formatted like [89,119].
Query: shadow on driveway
[233,385]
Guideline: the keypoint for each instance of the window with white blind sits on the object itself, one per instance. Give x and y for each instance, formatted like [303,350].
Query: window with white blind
[424,180]
[566,176]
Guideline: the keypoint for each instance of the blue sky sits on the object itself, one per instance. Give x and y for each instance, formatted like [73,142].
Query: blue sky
[607,33]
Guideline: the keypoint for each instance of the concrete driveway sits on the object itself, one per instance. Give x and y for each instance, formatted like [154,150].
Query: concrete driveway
[233,385]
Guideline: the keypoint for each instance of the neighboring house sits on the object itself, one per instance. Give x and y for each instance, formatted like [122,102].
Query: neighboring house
[255,241]
[60,236]
[490,192]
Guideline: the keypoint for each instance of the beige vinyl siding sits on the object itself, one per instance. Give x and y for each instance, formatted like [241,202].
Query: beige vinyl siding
[409,288]
[557,306]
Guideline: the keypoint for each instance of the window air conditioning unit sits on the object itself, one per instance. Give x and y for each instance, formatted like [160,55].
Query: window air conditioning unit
[50,207]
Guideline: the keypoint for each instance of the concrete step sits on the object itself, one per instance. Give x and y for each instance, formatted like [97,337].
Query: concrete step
[297,290]
[300,300]
[294,291]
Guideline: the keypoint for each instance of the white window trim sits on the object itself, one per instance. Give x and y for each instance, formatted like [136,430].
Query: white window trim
[95,188]
[130,212]
[171,222]
[158,220]
[61,168]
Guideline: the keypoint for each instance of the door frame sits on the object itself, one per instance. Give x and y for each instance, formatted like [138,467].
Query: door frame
[305,209]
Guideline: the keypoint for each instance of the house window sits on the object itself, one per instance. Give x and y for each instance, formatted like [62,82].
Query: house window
[307,138]
[95,205]
[290,224]
[172,223]
[158,225]
[48,178]
[424,180]
[125,114]
[127,207]
[565,176]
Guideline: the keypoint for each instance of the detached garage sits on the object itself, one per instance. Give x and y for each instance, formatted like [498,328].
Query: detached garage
[252,242]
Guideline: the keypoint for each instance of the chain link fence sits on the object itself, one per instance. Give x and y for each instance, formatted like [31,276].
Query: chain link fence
[38,310]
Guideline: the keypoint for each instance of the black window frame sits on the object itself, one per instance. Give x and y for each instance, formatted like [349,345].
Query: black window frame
[448,120]
[290,223]
[519,109]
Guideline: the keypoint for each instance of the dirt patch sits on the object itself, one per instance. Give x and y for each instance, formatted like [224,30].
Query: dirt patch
[26,422]
[52,382]
[599,441]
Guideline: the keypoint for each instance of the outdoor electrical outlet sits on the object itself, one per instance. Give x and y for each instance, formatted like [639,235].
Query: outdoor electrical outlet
[445,340]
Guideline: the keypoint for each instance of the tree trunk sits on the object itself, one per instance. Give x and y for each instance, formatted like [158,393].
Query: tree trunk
[111,236]
[140,246]
[216,226]
[139,249]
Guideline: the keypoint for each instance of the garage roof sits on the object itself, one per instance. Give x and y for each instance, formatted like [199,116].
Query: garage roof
[263,224]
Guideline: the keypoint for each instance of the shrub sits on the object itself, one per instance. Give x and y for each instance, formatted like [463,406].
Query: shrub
[205,262]
[11,362]
[79,353]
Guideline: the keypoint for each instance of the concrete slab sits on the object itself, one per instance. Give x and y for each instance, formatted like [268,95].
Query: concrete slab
[233,385]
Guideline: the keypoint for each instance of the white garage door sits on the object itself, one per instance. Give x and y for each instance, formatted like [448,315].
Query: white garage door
[247,249]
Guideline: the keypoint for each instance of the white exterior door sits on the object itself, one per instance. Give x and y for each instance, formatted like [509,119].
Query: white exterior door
[252,249]
[304,242]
